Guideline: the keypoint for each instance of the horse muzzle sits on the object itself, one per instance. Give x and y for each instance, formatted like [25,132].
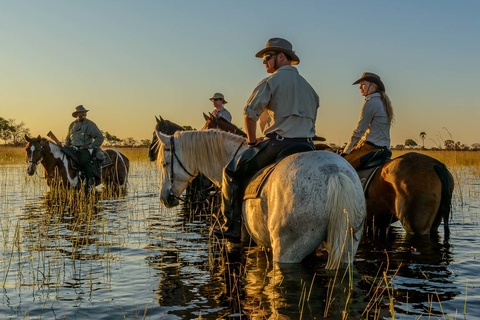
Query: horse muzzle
[171,201]
[32,167]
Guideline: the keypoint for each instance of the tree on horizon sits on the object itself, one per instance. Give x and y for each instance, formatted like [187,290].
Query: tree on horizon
[422,136]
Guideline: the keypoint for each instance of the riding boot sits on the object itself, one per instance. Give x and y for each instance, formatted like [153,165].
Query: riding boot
[231,207]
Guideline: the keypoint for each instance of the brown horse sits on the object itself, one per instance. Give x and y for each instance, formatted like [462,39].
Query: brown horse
[220,123]
[213,122]
[413,188]
[60,169]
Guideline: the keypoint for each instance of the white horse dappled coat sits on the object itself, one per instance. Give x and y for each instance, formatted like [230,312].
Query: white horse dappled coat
[308,198]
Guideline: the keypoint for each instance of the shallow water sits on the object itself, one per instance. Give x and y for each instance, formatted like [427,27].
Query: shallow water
[129,257]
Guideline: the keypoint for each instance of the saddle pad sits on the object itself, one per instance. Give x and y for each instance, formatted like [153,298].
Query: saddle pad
[366,176]
[107,161]
[253,188]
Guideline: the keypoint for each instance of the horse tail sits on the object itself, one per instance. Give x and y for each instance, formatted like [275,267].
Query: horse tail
[446,200]
[346,210]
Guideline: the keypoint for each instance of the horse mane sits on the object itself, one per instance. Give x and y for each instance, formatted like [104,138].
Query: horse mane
[55,150]
[205,147]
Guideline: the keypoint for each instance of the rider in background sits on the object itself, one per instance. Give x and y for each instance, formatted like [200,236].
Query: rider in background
[372,134]
[219,103]
[85,137]
[285,105]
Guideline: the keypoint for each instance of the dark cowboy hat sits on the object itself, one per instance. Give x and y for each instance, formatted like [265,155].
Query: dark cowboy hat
[218,95]
[78,109]
[371,77]
[279,45]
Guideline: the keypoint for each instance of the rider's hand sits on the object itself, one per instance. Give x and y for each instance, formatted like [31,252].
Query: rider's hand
[84,147]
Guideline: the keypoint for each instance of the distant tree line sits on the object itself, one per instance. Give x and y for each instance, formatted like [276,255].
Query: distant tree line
[13,133]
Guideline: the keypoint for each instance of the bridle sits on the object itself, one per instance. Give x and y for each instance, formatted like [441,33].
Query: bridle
[173,156]
[41,156]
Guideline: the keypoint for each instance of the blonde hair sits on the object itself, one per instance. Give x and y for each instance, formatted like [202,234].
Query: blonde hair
[387,103]
[388,106]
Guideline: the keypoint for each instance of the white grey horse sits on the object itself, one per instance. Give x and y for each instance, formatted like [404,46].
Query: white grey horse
[308,198]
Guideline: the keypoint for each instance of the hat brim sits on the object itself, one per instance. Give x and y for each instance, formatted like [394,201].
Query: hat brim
[378,82]
[224,101]
[74,114]
[294,58]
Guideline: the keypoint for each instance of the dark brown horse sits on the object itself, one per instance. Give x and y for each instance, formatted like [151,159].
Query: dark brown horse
[413,188]
[200,187]
[164,126]
[60,169]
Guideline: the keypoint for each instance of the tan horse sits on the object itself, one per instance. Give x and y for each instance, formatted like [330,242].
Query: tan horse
[416,190]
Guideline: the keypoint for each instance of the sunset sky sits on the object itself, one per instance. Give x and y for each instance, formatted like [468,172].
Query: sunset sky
[127,61]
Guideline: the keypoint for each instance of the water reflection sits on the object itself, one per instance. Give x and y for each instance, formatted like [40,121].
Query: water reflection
[68,246]
[412,270]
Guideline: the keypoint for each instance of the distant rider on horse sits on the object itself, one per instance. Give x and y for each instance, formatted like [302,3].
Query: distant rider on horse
[86,139]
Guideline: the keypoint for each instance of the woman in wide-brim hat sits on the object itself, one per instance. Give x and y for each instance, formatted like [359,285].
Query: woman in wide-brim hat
[371,136]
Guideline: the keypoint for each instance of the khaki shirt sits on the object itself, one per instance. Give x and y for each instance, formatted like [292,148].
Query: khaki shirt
[373,124]
[85,132]
[224,113]
[284,103]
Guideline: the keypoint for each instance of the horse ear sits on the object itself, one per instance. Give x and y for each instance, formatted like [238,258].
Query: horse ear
[158,120]
[205,116]
[39,138]
[27,138]
[164,138]
[161,119]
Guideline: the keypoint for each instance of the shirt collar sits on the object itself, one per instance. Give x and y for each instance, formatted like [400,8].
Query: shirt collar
[286,68]
[372,95]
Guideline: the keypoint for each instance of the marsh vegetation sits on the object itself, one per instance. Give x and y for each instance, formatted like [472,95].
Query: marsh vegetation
[65,255]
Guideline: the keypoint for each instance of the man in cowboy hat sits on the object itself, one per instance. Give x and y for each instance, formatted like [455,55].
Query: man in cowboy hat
[219,103]
[86,139]
[285,105]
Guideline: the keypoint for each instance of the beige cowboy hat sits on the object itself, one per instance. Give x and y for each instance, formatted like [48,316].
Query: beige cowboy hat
[78,109]
[279,45]
[371,77]
[218,95]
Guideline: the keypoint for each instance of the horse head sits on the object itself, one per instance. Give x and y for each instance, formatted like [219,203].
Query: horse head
[166,127]
[174,174]
[34,151]
[213,122]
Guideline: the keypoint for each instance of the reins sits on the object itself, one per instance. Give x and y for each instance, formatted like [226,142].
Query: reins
[173,156]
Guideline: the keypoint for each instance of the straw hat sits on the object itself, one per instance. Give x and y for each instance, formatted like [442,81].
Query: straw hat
[218,95]
[78,109]
[371,77]
[279,45]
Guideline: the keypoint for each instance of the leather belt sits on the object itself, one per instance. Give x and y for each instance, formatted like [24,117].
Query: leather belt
[374,145]
[280,138]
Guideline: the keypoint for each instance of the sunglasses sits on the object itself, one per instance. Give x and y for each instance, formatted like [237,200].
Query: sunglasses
[268,56]
[216,99]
